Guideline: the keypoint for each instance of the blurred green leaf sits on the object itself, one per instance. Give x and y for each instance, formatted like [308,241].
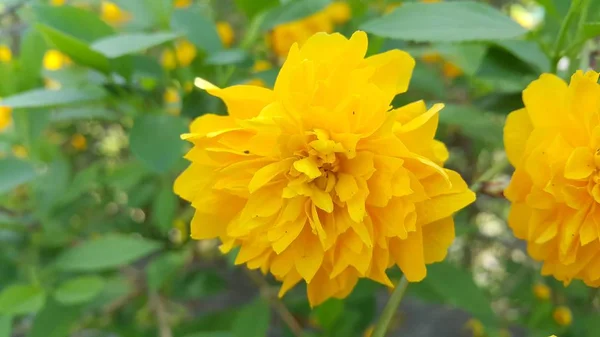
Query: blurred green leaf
[79,290]
[591,30]
[467,56]
[211,334]
[54,320]
[108,252]
[5,326]
[328,313]
[224,57]
[21,299]
[479,125]
[162,268]
[76,49]
[165,207]
[253,320]
[198,28]
[33,47]
[44,97]
[445,22]
[14,172]
[79,23]
[253,7]
[292,11]
[528,51]
[155,141]
[85,113]
[457,288]
[128,43]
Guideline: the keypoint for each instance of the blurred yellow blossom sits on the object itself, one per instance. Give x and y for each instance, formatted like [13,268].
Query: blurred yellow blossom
[339,12]
[226,33]
[79,142]
[172,100]
[256,82]
[562,316]
[113,14]
[321,185]
[261,65]
[55,60]
[20,151]
[57,2]
[475,327]
[185,52]
[182,3]
[431,57]
[541,291]
[5,53]
[450,70]
[5,116]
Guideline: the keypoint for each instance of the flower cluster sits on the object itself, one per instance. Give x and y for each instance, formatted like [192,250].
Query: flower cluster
[554,145]
[320,180]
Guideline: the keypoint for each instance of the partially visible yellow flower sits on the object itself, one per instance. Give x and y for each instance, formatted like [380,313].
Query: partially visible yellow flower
[339,12]
[226,33]
[541,291]
[182,3]
[20,151]
[431,57]
[562,316]
[5,116]
[79,142]
[261,65]
[320,180]
[450,70]
[57,2]
[475,327]
[5,53]
[185,53]
[554,145]
[51,84]
[172,100]
[113,14]
[369,331]
[55,60]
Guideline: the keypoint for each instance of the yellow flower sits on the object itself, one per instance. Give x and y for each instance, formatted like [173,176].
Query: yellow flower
[5,116]
[113,14]
[226,33]
[541,291]
[182,3]
[184,50]
[256,82]
[20,151]
[339,12]
[55,60]
[320,180]
[554,145]
[5,53]
[451,71]
[562,316]
[476,327]
[172,101]
[57,2]
[78,142]
[431,57]
[261,65]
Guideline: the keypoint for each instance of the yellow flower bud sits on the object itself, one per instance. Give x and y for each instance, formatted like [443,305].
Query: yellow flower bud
[476,327]
[5,53]
[54,60]
[78,142]
[113,14]
[5,116]
[562,316]
[261,65]
[339,12]
[182,3]
[226,33]
[451,71]
[57,2]
[541,291]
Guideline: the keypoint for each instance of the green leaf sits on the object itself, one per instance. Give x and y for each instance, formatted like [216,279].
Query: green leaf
[155,141]
[211,334]
[79,290]
[21,299]
[253,320]
[14,172]
[457,288]
[591,30]
[129,43]
[55,320]
[224,57]
[198,29]
[479,125]
[76,49]
[467,56]
[292,11]
[45,98]
[328,313]
[445,22]
[33,47]
[5,326]
[253,7]
[87,113]
[79,23]
[161,269]
[108,252]
[528,52]
[164,209]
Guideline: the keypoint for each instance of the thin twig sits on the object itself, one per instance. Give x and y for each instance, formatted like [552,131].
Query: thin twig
[280,308]
[164,329]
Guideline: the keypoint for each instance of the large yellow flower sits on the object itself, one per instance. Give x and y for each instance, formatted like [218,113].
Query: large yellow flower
[320,179]
[283,36]
[554,144]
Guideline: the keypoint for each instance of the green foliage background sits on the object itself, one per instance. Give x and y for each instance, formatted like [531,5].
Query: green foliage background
[95,243]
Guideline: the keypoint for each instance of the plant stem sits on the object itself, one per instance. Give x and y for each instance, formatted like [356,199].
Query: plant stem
[489,174]
[562,35]
[390,308]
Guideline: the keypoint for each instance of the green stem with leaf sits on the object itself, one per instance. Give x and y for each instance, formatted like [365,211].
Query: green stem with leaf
[390,308]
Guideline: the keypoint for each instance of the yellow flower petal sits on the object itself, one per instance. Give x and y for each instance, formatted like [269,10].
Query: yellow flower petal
[580,164]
